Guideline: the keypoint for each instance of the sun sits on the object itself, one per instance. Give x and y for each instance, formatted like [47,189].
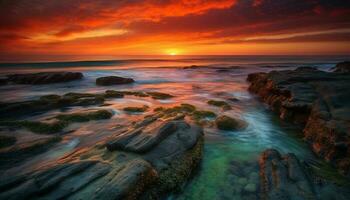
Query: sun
[172,52]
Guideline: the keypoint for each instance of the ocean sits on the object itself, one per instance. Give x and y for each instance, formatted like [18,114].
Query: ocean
[193,80]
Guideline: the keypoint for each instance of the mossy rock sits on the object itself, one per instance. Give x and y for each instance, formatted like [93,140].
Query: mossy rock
[201,114]
[57,126]
[135,93]
[50,98]
[6,141]
[52,101]
[183,108]
[230,124]
[159,109]
[84,117]
[329,173]
[159,95]
[172,178]
[188,107]
[37,127]
[224,105]
[79,95]
[44,128]
[113,94]
[136,109]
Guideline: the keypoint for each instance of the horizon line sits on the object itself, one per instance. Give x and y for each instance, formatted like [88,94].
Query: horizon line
[161,57]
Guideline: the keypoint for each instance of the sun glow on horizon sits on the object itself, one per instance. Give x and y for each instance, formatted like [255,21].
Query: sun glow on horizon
[173,52]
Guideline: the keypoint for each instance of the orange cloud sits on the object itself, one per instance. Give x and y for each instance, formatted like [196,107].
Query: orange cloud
[103,27]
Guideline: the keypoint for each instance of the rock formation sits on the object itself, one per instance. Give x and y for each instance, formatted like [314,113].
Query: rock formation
[316,99]
[113,80]
[44,77]
[343,67]
[285,177]
[146,161]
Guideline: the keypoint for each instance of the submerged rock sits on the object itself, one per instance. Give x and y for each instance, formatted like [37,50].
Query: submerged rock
[147,162]
[136,109]
[159,95]
[343,67]
[63,120]
[49,102]
[44,77]
[316,99]
[230,124]
[85,116]
[223,104]
[16,150]
[113,80]
[283,177]
[286,177]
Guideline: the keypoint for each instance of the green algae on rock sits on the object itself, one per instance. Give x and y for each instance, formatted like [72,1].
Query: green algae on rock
[223,104]
[36,127]
[113,80]
[284,176]
[63,121]
[200,117]
[160,95]
[107,173]
[113,94]
[49,102]
[317,100]
[229,124]
[135,93]
[84,117]
[202,114]
[52,101]
[136,109]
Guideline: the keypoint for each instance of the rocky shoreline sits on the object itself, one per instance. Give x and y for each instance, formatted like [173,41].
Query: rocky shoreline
[141,161]
[317,100]
[155,155]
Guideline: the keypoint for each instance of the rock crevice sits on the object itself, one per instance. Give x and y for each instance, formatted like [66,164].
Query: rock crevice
[317,100]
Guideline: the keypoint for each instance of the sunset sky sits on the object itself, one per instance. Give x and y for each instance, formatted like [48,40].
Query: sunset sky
[89,29]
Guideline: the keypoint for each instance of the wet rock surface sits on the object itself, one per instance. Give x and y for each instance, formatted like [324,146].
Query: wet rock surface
[316,99]
[44,77]
[229,124]
[21,149]
[343,67]
[146,160]
[50,102]
[285,177]
[113,80]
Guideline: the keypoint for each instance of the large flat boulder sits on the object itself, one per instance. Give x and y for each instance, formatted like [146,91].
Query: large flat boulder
[44,77]
[113,80]
[147,165]
[317,100]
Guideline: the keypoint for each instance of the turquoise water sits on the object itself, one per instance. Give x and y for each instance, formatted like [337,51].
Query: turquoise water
[230,165]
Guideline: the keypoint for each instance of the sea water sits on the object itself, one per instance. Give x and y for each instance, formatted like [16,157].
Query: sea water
[229,168]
